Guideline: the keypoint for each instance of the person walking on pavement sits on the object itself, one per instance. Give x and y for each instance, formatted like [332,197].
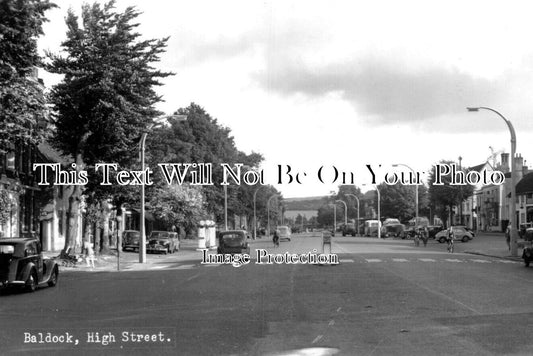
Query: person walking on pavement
[508,236]
[275,239]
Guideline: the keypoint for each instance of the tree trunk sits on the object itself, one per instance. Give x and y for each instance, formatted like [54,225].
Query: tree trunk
[72,238]
[106,238]
[97,239]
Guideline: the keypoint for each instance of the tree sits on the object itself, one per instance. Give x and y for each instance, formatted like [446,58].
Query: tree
[23,112]
[179,205]
[201,139]
[106,98]
[444,197]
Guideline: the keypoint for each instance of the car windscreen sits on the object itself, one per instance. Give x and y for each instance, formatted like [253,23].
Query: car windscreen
[7,249]
[132,235]
[283,229]
[159,234]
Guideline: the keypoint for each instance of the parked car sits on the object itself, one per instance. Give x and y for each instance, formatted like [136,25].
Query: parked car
[434,229]
[523,228]
[232,241]
[371,228]
[284,233]
[22,264]
[163,242]
[459,233]
[392,227]
[130,240]
[349,229]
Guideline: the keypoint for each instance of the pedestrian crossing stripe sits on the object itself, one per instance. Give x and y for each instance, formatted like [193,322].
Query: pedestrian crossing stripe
[400,260]
[427,260]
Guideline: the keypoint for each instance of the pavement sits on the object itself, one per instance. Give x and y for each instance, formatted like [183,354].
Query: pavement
[129,261]
[484,244]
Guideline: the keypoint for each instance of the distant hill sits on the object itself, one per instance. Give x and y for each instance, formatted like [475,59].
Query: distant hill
[306,203]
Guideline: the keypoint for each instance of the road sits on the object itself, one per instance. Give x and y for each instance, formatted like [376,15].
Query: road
[385,297]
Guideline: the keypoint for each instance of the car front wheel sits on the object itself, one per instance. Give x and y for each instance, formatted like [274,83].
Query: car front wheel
[53,278]
[31,282]
[465,238]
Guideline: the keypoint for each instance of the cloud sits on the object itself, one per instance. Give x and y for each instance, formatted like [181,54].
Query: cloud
[383,91]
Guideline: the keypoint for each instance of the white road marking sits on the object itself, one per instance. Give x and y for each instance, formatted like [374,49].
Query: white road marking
[400,260]
[339,309]
[347,260]
[372,260]
[507,261]
[480,261]
[452,260]
[211,265]
[331,322]
[427,260]
[193,277]
[185,267]
[317,338]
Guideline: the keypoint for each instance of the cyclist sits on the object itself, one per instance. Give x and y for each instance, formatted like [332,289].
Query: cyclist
[449,239]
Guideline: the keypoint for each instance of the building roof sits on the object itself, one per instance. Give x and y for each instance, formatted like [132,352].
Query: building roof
[477,168]
[52,155]
[525,185]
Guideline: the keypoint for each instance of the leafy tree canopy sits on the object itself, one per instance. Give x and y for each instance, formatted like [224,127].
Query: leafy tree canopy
[107,96]
[23,112]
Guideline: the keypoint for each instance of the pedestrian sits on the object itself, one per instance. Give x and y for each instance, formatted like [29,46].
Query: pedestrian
[508,236]
[275,239]
[425,235]
[89,258]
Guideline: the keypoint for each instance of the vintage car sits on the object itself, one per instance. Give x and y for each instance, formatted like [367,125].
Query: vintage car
[163,242]
[371,227]
[130,240]
[392,227]
[284,233]
[349,229]
[22,264]
[232,241]
[459,233]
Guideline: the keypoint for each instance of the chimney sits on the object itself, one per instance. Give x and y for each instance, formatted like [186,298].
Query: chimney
[519,162]
[505,162]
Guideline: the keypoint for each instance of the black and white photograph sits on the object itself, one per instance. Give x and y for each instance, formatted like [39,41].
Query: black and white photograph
[270,178]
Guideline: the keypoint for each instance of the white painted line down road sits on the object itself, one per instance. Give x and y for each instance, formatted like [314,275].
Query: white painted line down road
[427,260]
[400,260]
[372,260]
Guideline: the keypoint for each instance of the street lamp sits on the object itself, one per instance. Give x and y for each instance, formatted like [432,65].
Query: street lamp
[268,212]
[345,211]
[512,218]
[357,199]
[255,214]
[379,212]
[157,122]
[416,189]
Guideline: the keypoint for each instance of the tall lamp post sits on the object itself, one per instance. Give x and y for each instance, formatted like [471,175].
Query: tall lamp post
[255,212]
[157,122]
[379,211]
[357,199]
[268,212]
[512,217]
[416,190]
[345,211]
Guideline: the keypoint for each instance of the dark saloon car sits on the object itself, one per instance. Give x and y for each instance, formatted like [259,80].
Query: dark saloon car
[232,241]
[22,264]
[163,242]
[130,240]
[348,229]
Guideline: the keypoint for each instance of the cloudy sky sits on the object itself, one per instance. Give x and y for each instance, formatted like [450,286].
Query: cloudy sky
[345,83]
